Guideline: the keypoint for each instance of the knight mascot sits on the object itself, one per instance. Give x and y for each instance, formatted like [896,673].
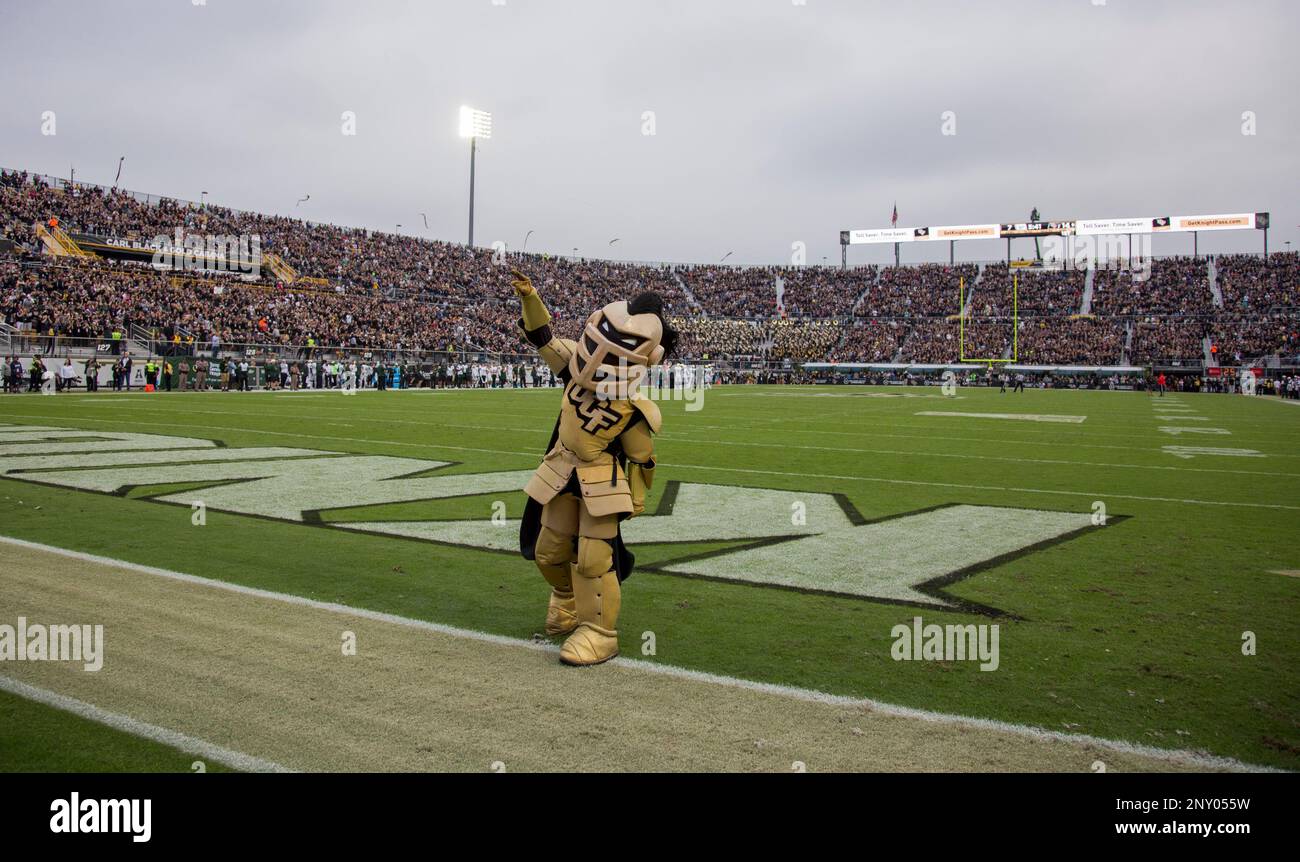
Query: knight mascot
[598,466]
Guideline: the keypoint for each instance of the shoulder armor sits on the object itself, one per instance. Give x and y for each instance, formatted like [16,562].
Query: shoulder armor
[650,411]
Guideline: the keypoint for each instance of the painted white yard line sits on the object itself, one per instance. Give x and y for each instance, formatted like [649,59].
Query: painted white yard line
[540,430]
[894,422]
[862,394]
[101,399]
[1187,452]
[1002,441]
[1096,495]
[1006,458]
[117,721]
[193,426]
[1025,417]
[1191,758]
[867,428]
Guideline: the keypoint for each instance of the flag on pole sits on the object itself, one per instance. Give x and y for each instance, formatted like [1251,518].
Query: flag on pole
[894,221]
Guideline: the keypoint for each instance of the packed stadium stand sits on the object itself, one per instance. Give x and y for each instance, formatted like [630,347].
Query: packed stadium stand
[327,286]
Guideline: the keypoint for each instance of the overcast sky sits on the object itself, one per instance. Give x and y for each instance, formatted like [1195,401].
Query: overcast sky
[773,122]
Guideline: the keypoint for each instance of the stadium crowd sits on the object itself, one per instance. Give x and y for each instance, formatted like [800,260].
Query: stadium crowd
[1079,341]
[1237,337]
[1176,286]
[928,290]
[399,293]
[1167,340]
[1000,292]
[1248,284]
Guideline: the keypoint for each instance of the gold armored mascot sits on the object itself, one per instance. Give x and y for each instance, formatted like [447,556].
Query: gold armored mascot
[598,467]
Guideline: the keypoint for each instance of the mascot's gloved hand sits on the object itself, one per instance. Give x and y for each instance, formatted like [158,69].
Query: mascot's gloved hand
[535,315]
[640,478]
[522,284]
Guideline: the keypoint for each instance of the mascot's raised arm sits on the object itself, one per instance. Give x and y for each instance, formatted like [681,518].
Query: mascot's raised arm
[598,466]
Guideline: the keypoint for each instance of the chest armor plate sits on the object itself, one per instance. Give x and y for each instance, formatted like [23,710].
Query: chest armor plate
[588,425]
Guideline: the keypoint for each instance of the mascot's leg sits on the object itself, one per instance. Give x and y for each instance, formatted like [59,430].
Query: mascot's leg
[596,589]
[555,555]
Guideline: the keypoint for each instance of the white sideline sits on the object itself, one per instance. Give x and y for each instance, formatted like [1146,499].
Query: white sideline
[1179,756]
[431,422]
[1096,495]
[1025,417]
[117,721]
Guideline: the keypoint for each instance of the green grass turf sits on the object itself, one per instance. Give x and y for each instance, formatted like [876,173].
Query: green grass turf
[1131,631]
[40,738]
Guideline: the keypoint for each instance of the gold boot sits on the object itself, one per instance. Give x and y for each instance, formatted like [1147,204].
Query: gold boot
[561,612]
[596,639]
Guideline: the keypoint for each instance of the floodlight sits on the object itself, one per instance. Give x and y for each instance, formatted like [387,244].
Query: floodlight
[475,124]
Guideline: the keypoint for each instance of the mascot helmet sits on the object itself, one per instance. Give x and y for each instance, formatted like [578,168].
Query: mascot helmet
[619,344]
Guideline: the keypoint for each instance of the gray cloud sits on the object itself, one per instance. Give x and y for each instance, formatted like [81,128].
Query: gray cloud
[774,122]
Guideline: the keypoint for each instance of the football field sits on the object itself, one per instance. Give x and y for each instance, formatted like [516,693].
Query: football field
[319,580]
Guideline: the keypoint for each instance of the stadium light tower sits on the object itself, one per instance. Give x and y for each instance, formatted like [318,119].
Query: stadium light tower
[473,125]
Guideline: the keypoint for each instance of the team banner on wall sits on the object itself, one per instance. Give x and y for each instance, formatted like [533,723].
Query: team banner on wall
[886,234]
[1082,227]
[1037,228]
[965,231]
[1234,221]
[920,234]
[1094,227]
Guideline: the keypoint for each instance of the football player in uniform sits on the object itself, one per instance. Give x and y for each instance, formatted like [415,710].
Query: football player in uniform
[598,466]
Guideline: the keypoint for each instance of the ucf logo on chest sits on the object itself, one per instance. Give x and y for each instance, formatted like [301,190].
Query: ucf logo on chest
[594,414]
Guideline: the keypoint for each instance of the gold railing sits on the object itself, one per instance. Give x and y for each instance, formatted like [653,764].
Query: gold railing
[280,267]
[58,242]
